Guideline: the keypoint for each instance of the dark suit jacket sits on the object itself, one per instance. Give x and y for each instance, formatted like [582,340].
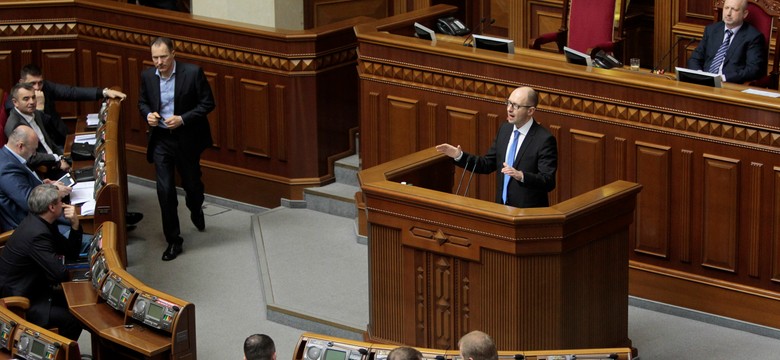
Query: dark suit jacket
[52,92]
[745,59]
[30,265]
[41,157]
[16,183]
[537,158]
[193,101]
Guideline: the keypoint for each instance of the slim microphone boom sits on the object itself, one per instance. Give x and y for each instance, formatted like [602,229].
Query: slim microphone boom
[676,56]
[655,68]
[470,177]
[470,37]
[462,175]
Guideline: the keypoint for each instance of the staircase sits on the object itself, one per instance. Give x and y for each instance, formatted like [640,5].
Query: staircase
[304,247]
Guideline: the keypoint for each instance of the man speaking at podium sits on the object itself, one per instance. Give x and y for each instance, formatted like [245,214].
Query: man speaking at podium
[524,152]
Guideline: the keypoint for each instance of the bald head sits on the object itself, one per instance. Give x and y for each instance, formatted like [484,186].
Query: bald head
[734,12]
[477,345]
[23,141]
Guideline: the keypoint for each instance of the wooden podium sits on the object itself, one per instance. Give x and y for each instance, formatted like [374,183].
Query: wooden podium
[441,265]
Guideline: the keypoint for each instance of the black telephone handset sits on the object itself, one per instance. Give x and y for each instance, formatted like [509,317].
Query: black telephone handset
[452,26]
[604,60]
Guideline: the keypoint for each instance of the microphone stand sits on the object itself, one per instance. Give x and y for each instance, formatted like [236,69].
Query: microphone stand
[662,71]
[470,38]
[470,177]
[655,68]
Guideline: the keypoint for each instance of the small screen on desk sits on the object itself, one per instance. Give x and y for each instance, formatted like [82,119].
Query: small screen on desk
[155,311]
[332,354]
[116,292]
[38,348]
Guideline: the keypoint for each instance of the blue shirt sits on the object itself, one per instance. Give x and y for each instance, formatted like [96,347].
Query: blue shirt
[167,89]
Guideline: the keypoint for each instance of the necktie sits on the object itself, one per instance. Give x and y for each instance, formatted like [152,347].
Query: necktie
[510,159]
[721,54]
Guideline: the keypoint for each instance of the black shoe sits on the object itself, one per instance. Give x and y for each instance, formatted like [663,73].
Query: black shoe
[198,220]
[132,218]
[172,252]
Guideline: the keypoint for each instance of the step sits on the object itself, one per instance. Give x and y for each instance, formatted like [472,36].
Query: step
[301,254]
[346,170]
[335,199]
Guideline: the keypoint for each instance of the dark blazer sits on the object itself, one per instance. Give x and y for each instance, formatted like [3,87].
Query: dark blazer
[41,157]
[193,101]
[52,92]
[30,265]
[745,59]
[537,158]
[16,183]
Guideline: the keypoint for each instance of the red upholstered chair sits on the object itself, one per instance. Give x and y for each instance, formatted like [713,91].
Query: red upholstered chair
[762,15]
[587,24]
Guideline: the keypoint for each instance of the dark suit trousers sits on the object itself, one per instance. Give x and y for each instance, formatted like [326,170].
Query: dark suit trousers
[54,313]
[168,157]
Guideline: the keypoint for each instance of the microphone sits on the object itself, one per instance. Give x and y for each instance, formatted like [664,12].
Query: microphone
[470,177]
[492,21]
[655,68]
[470,37]
[598,357]
[661,71]
[462,175]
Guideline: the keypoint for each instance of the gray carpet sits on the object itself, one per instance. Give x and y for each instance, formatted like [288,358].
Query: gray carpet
[219,272]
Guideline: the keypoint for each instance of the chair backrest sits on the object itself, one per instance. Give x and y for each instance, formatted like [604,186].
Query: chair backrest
[591,22]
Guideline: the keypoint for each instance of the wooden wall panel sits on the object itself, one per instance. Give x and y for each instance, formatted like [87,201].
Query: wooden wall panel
[775,241]
[392,286]
[402,114]
[8,77]
[683,208]
[324,12]
[214,118]
[53,63]
[255,130]
[653,171]
[720,212]
[588,156]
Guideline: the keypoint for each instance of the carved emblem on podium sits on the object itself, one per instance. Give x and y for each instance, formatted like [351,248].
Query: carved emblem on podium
[439,236]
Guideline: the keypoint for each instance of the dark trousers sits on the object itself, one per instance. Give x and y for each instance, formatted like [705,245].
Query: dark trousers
[169,157]
[54,313]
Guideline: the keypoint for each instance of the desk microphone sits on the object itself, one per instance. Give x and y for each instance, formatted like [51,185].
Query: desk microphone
[470,37]
[655,68]
[463,174]
[470,177]
[661,71]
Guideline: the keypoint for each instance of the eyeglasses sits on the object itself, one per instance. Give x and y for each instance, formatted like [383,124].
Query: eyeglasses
[516,107]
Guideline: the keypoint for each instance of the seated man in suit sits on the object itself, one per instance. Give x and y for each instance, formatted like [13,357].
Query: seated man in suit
[16,179]
[732,48]
[524,152]
[405,353]
[48,153]
[31,264]
[48,93]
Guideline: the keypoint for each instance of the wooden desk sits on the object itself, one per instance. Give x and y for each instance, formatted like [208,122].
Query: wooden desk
[708,217]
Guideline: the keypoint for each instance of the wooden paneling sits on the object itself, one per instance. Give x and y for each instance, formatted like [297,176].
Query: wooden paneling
[776,231]
[721,212]
[587,164]
[255,109]
[53,64]
[324,12]
[463,127]
[403,115]
[653,169]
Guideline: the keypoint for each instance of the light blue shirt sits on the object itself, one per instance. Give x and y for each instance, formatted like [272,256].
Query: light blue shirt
[167,89]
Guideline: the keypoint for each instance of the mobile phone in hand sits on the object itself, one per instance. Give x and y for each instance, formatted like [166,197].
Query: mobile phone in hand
[67,180]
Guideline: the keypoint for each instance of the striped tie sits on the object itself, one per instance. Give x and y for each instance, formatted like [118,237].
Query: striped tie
[510,159]
[721,54]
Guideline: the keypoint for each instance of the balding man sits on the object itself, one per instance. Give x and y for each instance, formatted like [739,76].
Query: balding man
[524,152]
[405,353]
[477,345]
[731,47]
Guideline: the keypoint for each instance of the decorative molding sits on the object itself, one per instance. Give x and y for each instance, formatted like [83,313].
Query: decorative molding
[72,28]
[754,218]
[664,120]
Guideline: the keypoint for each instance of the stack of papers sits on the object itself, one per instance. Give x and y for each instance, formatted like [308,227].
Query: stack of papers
[83,192]
[85,138]
[92,120]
